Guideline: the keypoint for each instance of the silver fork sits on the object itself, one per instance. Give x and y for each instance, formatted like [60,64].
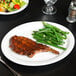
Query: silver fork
[12,70]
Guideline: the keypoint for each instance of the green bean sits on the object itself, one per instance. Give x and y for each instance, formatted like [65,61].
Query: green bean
[51,44]
[57,29]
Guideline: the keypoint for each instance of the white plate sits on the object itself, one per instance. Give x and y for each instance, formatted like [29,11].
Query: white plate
[14,12]
[43,58]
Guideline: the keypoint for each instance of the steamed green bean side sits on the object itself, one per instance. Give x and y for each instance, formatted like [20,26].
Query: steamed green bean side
[51,35]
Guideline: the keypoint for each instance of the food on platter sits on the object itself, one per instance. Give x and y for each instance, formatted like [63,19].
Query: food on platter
[51,35]
[11,5]
[48,35]
[25,46]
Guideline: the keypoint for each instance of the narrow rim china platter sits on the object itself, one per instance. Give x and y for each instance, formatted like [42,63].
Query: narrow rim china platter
[14,12]
[39,59]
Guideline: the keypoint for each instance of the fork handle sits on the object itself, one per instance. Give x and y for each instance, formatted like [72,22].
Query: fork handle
[12,70]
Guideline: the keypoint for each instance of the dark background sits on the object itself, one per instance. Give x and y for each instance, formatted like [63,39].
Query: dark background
[65,67]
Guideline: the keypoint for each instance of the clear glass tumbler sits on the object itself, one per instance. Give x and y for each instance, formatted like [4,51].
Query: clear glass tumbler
[49,8]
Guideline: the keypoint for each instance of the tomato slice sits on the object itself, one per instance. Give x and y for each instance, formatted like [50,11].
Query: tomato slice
[3,0]
[16,6]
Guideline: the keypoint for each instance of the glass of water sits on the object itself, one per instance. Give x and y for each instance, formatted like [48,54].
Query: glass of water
[49,8]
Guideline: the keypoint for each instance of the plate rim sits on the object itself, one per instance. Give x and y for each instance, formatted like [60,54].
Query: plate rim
[47,62]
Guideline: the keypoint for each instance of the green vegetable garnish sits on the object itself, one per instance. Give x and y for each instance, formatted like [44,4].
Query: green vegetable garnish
[51,35]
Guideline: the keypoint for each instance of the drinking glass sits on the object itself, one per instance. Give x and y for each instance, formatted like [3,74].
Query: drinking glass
[49,8]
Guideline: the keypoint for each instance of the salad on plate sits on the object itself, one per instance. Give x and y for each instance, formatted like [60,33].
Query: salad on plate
[11,5]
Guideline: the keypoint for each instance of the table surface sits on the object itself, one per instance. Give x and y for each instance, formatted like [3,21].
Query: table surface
[65,67]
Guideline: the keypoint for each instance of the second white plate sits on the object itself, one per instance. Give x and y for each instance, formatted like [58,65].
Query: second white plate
[14,12]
